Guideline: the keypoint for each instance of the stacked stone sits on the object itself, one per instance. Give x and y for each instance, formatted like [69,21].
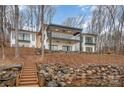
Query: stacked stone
[56,75]
[8,75]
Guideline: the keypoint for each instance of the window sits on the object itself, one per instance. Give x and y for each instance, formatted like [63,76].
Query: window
[33,37]
[67,48]
[24,36]
[76,48]
[54,47]
[20,36]
[27,37]
[89,49]
[89,39]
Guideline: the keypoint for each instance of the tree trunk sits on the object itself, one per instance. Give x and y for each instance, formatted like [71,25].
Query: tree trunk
[1,32]
[42,30]
[16,31]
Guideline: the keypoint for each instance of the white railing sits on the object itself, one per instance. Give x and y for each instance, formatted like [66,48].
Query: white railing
[65,36]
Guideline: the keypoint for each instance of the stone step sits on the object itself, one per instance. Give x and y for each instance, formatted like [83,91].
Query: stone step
[28,83]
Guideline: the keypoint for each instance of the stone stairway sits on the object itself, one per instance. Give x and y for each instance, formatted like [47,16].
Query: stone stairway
[28,76]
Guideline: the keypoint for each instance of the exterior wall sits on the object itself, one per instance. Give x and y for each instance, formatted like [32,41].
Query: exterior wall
[88,45]
[75,47]
[60,45]
[84,47]
[26,44]
[63,35]
[38,42]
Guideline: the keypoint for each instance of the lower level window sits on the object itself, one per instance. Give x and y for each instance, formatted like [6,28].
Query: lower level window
[54,47]
[67,48]
[89,49]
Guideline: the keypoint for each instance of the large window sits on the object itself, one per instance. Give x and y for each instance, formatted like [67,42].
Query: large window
[89,39]
[54,47]
[67,48]
[24,36]
[89,49]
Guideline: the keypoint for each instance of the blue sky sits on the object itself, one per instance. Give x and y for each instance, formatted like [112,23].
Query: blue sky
[65,11]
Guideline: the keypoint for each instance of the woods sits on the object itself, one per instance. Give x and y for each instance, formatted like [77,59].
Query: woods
[107,22]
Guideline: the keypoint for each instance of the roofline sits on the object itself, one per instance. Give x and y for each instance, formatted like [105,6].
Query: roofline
[12,29]
[67,27]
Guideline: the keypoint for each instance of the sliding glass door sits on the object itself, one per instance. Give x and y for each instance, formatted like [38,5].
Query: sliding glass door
[67,48]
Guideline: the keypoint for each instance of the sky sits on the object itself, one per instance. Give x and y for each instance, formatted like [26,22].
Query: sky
[65,11]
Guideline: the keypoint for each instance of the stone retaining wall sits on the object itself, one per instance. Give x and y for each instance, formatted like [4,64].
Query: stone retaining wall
[8,75]
[55,75]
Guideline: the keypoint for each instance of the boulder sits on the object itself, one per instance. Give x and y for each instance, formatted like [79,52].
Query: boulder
[52,84]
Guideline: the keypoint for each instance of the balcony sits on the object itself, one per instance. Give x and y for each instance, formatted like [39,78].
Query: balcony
[63,36]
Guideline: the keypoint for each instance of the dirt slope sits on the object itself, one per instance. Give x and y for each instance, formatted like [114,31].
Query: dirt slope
[29,55]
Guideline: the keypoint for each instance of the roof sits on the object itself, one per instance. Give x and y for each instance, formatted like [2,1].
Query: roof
[89,34]
[24,30]
[66,27]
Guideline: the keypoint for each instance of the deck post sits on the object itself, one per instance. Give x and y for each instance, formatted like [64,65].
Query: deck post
[80,41]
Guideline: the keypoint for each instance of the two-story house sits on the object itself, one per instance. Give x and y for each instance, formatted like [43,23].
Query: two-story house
[61,38]
[64,38]
[26,38]
[57,38]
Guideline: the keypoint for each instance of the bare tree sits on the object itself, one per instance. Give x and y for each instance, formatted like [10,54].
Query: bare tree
[49,13]
[75,21]
[16,31]
[42,30]
[107,23]
[1,31]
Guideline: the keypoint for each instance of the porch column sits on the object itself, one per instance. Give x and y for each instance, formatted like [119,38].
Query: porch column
[80,41]
[50,40]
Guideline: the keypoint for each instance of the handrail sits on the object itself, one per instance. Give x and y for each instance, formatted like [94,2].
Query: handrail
[18,76]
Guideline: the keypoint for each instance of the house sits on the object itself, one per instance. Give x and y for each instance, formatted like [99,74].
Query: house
[61,38]
[64,38]
[57,38]
[26,38]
